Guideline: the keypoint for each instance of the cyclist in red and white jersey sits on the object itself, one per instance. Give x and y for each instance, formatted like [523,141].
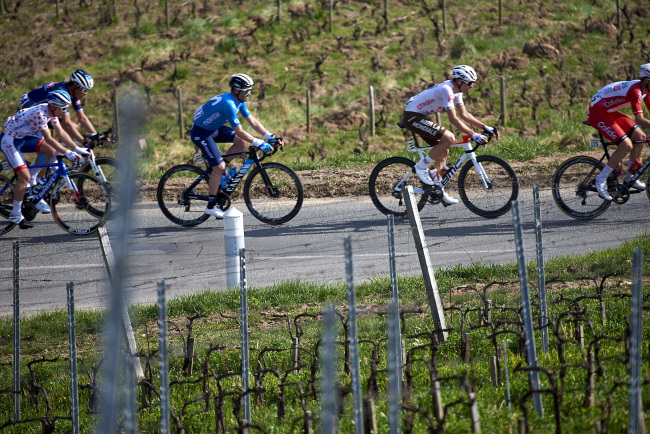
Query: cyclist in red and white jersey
[446,96]
[27,123]
[605,116]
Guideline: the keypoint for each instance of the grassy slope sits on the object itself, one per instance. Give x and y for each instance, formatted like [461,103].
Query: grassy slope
[205,45]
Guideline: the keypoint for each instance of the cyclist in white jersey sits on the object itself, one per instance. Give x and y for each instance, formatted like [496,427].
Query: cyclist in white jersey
[28,122]
[446,96]
[604,115]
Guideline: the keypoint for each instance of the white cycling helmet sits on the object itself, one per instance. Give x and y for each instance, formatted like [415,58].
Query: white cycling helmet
[58,98]
[465,73]
[241,81]
[82,79]
[645,71]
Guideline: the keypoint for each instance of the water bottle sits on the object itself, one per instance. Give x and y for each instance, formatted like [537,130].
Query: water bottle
[634,165]
[227,176]
[233,172]
[618,170]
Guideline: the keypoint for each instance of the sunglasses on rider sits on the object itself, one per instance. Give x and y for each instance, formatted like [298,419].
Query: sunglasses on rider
[246,91]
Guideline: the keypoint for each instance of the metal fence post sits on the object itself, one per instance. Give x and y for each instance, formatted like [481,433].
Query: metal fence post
[505,364]
[16,331]
[533,375]
[245,364]
[72,348]
[354,339]
[541,276]
[391,258]
[163,363]
[394,367]
[328,362]
[637,422]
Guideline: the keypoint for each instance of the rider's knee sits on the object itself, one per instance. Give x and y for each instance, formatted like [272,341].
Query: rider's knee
[638,134]
[448,138]
[221,166]
[626,144]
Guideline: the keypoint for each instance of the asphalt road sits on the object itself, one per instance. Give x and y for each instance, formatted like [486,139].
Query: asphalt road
[308,248]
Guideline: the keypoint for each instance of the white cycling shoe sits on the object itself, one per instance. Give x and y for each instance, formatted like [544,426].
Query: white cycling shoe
[638,185]
[216,211]
[601,186]
[446,199]
[424,175]
[43,207]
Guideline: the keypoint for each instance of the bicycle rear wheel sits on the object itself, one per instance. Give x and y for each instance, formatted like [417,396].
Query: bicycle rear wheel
[574,190]
[76,213]
[6,205]
[276,201]
[110,169]
[387,185]
[502,187]
[181,204]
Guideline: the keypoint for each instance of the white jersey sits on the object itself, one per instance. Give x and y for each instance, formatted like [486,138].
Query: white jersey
[435,99]
[29,121]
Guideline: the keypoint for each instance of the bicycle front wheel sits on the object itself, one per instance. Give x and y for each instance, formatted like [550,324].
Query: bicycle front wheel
[182,198]
[488,197]
[574,190]
[387,185]
[275,200]
[6,205]
[110,171]
[76,213]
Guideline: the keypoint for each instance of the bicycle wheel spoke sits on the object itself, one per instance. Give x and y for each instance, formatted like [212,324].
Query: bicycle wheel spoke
[276,203]
[77,213]
[574,191]
[177,201]
[387,185]
[502,187]
[6,205]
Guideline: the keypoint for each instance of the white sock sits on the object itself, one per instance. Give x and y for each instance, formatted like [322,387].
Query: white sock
[604,174]
[18,205]
[424,163]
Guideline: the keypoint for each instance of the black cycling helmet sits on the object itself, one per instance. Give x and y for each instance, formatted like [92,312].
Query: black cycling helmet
[241,81]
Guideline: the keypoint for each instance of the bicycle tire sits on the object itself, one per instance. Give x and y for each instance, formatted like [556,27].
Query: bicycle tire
[573,189]
[503,188]
[275,207]
[80,214]
[110,168]
[387,183]
[6,205]
[176,206]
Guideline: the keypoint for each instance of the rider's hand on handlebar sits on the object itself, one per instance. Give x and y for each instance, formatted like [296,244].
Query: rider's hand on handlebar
[479,138]
[491,131]
[70,155]
[81,151]
[265,147]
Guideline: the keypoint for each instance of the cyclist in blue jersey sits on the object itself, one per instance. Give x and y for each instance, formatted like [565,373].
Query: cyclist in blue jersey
[28,122]
[209,129]
[78,86]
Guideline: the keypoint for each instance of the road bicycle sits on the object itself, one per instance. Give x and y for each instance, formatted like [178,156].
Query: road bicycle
[76,212]
[487,184]
[574,189]
[106,169]
[272,191]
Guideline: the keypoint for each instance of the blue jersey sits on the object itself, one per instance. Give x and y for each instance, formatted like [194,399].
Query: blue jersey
[38,95]
[219,110]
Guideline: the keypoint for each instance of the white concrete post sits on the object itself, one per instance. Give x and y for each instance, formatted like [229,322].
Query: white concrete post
[233,231]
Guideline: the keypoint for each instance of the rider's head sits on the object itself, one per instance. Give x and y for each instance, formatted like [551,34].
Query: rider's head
[464,74]
[58,99]
[81,82]
[241,86]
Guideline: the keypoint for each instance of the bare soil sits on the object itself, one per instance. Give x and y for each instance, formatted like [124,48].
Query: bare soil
[329,183]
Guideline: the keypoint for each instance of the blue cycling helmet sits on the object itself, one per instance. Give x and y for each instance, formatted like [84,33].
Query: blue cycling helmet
[82,79]
[58,98]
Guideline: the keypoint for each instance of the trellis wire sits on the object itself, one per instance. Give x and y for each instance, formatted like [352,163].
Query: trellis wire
[527,311]
[541,277]
[355,369]
[163,359]
[16,270]
[245,364]
[72,349]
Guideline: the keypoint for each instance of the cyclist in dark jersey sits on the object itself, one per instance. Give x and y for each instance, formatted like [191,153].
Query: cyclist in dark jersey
[209,129]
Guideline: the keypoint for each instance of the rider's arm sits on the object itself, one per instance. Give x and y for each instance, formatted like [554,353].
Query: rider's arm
[643,122]
[85,122]
[71,128]
[63,136]
[469,118]
[242,134]
[256,125]
[47,136]
[457,122]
